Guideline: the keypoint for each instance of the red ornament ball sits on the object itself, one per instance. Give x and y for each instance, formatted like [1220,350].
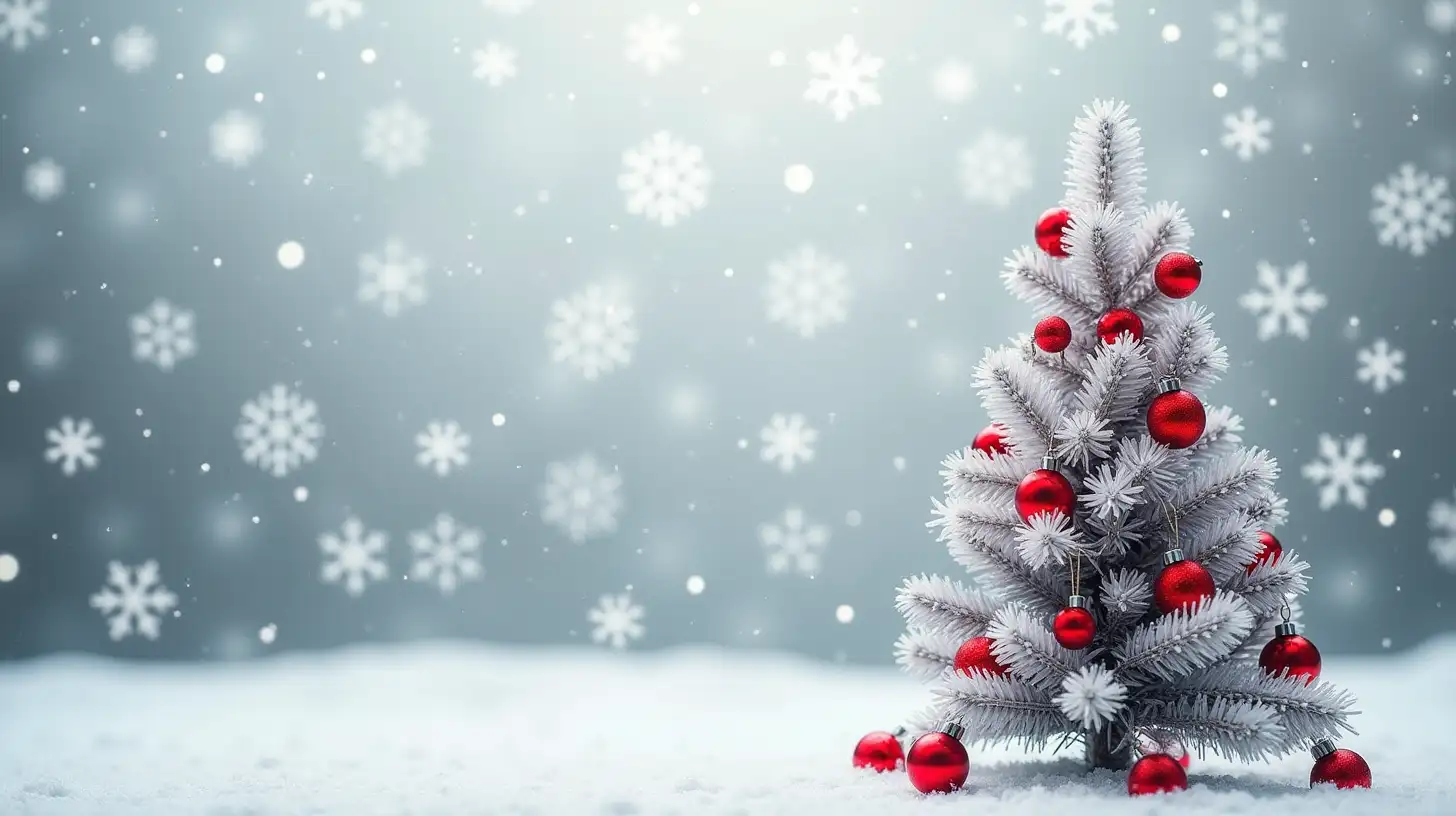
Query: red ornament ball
[1296,653]
[991,440]
[1178,274]
[1049,229]
[1176,419]
[879,750]
[1156,773]
[1117,322]
[976,654]
[1044,491]
[1074,628]
[1342,768]
[1052,334]
[1269,550]
[937,763]
[1182,584]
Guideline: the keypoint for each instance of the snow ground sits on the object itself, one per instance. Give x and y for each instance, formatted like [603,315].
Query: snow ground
[450,729]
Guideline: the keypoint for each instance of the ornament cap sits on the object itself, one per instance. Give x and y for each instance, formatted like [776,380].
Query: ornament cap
[1172,556]
[955,730]
[1169,384]
[1049,462]
[1322,748]
[899,731]
[1285,628]
[1077,602]
[1198,261]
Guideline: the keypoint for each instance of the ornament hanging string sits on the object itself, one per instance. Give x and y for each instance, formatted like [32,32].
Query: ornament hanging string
[1172,517]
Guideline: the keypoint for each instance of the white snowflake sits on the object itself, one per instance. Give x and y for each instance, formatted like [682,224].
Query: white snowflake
[1246,133]
[1443,531]
[954,81]
[73,443]
[443,447]
[1079,21]
[495,63]
[236,138]
[1284,301]
[1342,472]
[794,543]
[653,44]
[44,180]
[995,169]
[446,554]
[843,78]
[1248,37]
[1413,210]
[163,335]
[279,431]
[581,498]
[508,6]
[665,179]
[133,600]
[616,620]
[335,13]
[808,291]
[134,50]
[354,556]
[789,440]
[1380,365]
[1441,15]
[396,138]
[592,331]
[392,278]
[20,22]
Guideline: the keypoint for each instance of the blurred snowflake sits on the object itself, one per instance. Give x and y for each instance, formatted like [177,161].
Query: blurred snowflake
[335,13]
[808,291]
[163,335]
[842,79]
[1380,366]
[279,431]
[1342,472]
[508,6]
[44,180]
[789,440]
[354,556]
[592,332]
[794,543]
[1443,530]
[1284,301]
[392,278]
[134,50]
[133,600]
[443,446]
[396,138]
[73,443]
[665,179]
[21,23]
[581,498]
[1441,15]
[446,554]
[1413,210]
[1079,21]
[1246,133]
[1248,37]
[995,169]
[653,44]
[495,63]
[954,81]
[616,620]
[236,138]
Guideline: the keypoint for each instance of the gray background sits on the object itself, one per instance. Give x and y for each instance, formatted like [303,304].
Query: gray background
[143,216]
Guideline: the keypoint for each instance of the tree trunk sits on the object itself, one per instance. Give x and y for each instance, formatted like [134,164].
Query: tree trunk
[1109,748]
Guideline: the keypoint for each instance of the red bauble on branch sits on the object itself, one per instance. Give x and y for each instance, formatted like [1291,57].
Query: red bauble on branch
[1178,274]
[1049,229]
[991,440]
[1156,773]
[1340,767]
[1182,583]
[1074,627]
[976,654]
[1292,652]
[880,750]
[1117,322]
[1175,417]
[1045,490]
[1269,551]
[937,762]
[1052,334]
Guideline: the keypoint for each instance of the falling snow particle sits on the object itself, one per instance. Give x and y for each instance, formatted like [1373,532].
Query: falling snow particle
[593,332]
[798,178]
[1386,517]
[1380,366]
[581,498]
[664,179]
[290,254]
[1079,21]
[134,50]
[653,44]
[953,82]
[1413,210]
[844,613]
[1342,472]
[10,568]
[843,78]
[794,543]
[616,621]
[807,292]
[268,634]
[995,169]
[44,180]
[1284,301]
[215,63]
[788,441]
[73,444]
[133,600]
[1248,37]
[695,584]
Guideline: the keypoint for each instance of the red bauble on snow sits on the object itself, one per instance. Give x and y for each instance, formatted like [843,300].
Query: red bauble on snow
[1049,229]
[1052,334]
[1269,551]
[1175,417]
[1340,767]
[991,440]
[1074,627]
[976,654]
[1292,652]
[937,762]
[880,750]
[1181,583]
[1045,490]
[1178,274]
[1117,322]
[1156,773]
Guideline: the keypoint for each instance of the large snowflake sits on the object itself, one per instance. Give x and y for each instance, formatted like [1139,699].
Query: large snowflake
[163,335]
[592,331]
[133,600]
[354,556]
[335,13]
[794,543]
[279,431]
[73,443]
[1284,301]
[20,22]
[444,446]
[446,554]
[843,78]
[1079,21]
[508,6]
[653,44]
[808,291]
[236,138]
[788,440]
[1413,210]
[581,498]
[134,49]
[1246,133]
[1342,472]
[494,64]
[995,169]
[396,138]
[615,621]
[1380,366]
[665,179]
[44,180]
[1443,531]
[1248,37]
[392,278]
[1441,15]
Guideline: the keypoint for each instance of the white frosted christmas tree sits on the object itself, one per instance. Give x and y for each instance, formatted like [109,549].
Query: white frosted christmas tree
[1129,592]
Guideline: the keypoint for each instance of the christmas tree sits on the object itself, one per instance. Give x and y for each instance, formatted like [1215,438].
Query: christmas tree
[1130,592]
